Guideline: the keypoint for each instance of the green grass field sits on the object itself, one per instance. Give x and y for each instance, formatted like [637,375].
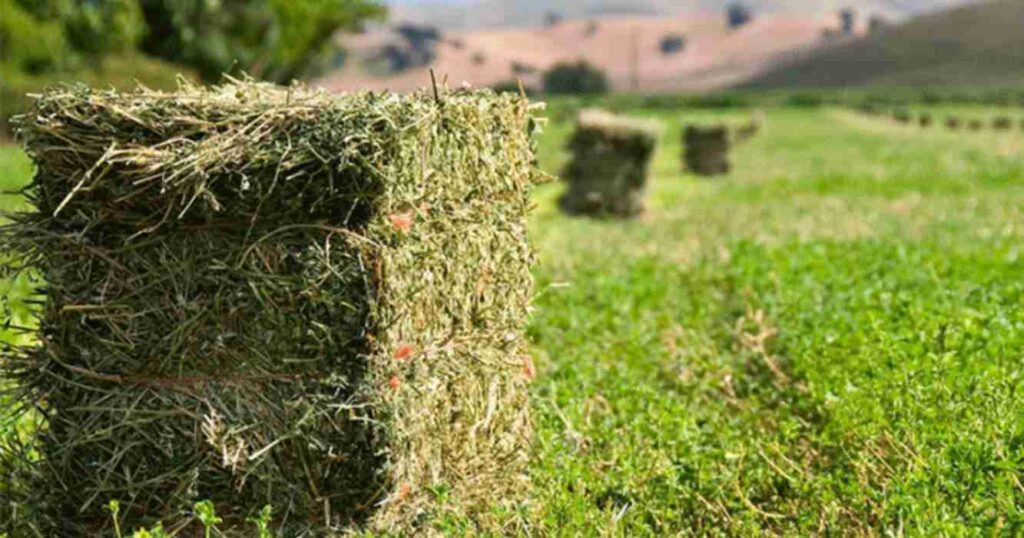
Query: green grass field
[830,340]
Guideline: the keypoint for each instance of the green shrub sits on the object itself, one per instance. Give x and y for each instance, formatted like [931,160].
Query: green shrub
[575,78]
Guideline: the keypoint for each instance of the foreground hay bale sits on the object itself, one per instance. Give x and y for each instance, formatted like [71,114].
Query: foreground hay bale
[610,159]
[706,149]
[1002,123]
[953,123]
[265,296]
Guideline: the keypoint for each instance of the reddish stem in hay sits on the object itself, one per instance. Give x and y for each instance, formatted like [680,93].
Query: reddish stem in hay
[394,383]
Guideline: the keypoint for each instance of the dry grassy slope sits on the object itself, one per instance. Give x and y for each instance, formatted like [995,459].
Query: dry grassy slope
[971,45]
[715,57]
[505,13]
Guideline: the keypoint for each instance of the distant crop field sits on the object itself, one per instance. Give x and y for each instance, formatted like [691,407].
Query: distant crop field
[828,340]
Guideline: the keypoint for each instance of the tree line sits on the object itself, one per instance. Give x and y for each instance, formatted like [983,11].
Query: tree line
[275,40]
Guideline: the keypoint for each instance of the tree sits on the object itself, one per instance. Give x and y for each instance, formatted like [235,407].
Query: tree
[672,43]
[93,27]
[575,78]
[277,40]
[848,21]
[738,15]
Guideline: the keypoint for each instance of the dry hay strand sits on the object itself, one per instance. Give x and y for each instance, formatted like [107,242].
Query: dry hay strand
[1002,123]
[258,295]
[954,123]
[607,175]
[706,149]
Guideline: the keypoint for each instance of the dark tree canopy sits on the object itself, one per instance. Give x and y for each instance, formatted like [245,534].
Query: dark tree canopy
[672,43]
[848,21]
[575,78]
[738,15]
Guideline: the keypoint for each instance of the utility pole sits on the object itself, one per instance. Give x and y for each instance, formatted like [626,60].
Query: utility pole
[634,67]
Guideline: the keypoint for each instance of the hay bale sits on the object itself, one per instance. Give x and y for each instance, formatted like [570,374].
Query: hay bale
[901,116]
[706,149]
[748,129]
[259,296]
[925,120]
[607,174]
[975,125]
[1002,123]
[953,123]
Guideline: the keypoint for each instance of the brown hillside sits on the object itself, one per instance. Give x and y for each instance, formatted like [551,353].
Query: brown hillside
[980,44]
[714,56]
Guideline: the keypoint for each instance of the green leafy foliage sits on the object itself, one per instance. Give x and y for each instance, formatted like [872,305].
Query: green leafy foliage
[272,39]
[20,36]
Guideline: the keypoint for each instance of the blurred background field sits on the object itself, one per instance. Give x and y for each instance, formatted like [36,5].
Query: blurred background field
[827,340]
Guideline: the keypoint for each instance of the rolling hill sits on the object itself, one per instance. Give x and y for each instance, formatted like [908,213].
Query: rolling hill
[978,44]
[476,14]
[627,48]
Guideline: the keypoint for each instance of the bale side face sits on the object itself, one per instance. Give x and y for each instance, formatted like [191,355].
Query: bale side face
[236,307]
[608,171]
[706,150]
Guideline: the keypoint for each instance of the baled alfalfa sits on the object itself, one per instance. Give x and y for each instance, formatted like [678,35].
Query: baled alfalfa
[901,116]
[607,174]
[263,296]
[1002,123]
[953,123]
[748,129]
[706,149]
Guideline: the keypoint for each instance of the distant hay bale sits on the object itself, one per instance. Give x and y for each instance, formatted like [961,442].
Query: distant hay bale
[975,125]
[925,120]
[1002,123]
[953,123]
[607,175]
[706,149]
[257,295]
[901,116]
[748,129]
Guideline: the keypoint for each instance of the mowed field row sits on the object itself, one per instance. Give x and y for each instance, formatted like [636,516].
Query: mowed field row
[829,339]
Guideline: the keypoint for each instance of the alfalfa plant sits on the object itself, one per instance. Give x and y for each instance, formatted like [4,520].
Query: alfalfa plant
[611,155]
[258,296]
